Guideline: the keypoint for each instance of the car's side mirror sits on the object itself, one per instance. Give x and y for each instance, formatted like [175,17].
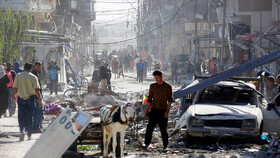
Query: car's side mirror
[188,101]
[270,106]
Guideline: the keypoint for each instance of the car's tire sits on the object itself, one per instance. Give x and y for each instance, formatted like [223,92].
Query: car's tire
[259,139]
[261,129]
[190,140]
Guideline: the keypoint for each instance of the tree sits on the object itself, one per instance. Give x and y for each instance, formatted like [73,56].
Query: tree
[13,31]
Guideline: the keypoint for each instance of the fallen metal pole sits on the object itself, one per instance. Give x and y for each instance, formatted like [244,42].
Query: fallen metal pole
[227,74]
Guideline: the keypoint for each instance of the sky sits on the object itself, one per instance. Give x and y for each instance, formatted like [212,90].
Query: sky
[111,21]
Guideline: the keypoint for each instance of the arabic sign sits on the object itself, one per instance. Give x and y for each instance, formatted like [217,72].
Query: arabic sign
[61,133]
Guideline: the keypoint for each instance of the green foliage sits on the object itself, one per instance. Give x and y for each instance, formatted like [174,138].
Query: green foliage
[13,31]
[85,147]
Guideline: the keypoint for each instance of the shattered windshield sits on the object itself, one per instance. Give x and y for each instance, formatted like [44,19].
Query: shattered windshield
[227,95]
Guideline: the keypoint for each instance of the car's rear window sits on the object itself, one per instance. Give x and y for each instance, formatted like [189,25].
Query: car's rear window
[227,95]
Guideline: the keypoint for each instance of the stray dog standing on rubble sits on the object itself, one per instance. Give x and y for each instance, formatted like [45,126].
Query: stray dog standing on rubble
[158,106]
[115,119]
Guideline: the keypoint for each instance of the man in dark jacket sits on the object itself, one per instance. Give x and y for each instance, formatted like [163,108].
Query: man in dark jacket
[190,70]
[38,111]
[103,76]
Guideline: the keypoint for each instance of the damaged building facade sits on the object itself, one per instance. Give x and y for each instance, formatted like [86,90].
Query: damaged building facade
[62,28]
[195,28]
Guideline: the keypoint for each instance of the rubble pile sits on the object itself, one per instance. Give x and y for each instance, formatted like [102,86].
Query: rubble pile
[93,100]
[274,148]
[178,145]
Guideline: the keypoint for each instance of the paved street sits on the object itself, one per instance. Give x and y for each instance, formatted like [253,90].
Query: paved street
[10,147]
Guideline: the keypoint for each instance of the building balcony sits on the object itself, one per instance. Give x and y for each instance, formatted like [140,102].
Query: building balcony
[29,6]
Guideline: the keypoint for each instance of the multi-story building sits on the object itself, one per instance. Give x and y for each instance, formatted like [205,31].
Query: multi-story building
[197,28]
[67,17]
[40,10]
[174,28]
[162,34]
[73,18]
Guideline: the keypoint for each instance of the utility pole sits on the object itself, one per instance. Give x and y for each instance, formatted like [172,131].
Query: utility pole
[209,27]
[196,35]
[138,27]
[223,33]
[161,35]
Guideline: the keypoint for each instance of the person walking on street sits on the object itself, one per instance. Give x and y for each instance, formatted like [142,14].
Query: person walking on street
[204,67]
[126,63]
[38,111]
[140,70]
[103,76]
[26,86]
[95,80]
[198,67]
[145,68]
[109,75]
[174,70]
[158,106]
[115,67]
[11,75]
[120,71]
[4,93]
[53,75]
[132,63]
[190,70]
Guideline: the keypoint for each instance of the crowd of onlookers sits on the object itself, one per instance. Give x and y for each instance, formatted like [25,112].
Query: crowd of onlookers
[115,65]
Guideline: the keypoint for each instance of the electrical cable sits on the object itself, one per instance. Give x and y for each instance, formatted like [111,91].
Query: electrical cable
[112,14]
[112,20]
[114,2]
[132,4]
[114,10]
[80,54]
[148,32]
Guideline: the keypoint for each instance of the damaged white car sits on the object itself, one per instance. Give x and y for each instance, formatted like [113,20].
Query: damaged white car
[230,108]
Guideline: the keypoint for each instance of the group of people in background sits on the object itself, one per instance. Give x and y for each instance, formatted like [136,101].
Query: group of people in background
[115,65]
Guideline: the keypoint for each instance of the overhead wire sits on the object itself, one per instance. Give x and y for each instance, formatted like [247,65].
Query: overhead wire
[112,20]
[114,10]
[114,2]
[111,14]
[132,4]
[148,32]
